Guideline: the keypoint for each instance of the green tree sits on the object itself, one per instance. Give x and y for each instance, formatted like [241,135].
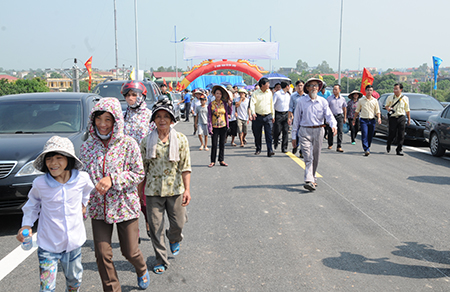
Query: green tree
[324,68]
[301,66]
[55,75]
[84,87]
[329,80]
[23,86]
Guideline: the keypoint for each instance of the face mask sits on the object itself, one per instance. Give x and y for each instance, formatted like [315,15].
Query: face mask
[139,100]
[103,137]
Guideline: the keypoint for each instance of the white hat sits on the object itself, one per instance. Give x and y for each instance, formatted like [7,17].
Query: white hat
[60,145]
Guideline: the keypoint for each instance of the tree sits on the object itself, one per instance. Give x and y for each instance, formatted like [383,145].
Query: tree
[23,86]
[324,68]
[84,87]
[55,75]
[329,80]
[301,66]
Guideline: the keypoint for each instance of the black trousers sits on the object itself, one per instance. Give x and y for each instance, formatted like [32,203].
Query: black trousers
[281,126]
[397,128]
[187,111]
[219,134]
[353,129]
[257,127]
[340,125]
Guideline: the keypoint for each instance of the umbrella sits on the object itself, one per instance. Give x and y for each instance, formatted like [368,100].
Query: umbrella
[250,87]
[275,78]
[242,84]
[211,85]
[225,83]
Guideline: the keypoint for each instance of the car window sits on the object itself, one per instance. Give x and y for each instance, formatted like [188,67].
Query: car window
[382,100]
[446,114]
[423,102]
[110,90]
[40,116]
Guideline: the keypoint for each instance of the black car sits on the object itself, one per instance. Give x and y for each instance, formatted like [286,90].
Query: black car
[111,88]
[437,132]
[27,121]
[421,107]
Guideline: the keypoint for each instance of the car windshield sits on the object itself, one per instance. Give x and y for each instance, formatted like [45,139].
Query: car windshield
[41,116]
[423,102]
[113,90]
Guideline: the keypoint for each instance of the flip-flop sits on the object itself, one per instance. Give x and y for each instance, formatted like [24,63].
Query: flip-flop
[223,163]
[211,164]
[159,267]
[144,281]
[175,248]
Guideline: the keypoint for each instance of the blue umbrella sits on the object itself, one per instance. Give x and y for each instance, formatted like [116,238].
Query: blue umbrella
[225,83]
[242,84]
[211,85]
[250,87]
[275,78]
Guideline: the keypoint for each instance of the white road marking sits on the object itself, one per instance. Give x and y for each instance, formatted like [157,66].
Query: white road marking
[15,258]
[414,148]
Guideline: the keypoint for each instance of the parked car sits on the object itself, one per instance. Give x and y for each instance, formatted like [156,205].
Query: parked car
[421,107]
[437,132]
[176,97]
[27,121]
[111,88]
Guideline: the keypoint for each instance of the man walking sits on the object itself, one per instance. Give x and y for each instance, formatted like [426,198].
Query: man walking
[369,109]
[293,103]
[281,101]
[262,112]
[309,118]
[338,107]
[187,104]
[398,105]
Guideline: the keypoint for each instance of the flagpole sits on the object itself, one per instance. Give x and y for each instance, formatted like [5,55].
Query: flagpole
[176,56]
[116,46]
[137,42]
[340,44]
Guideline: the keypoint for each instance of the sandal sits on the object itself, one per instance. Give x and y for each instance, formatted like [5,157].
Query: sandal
[211,164]
[175,248]
[222,163]
[159,269]
[206,149]
[233,144]
[144,281]
[201,148]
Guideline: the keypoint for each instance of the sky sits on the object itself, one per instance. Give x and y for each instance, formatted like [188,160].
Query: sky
[377,33]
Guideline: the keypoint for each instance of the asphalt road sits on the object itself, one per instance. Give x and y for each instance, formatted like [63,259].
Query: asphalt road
[376,223]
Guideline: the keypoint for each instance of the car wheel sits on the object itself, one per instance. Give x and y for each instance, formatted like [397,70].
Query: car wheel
[435,147]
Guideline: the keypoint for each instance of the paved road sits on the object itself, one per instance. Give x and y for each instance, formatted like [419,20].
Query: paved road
[377,223]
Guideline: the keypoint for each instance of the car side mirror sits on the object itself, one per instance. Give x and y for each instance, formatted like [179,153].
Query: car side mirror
[85,135]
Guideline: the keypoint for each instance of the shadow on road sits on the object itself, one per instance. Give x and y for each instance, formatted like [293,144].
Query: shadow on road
[290,188]
[431,179]
[356,263]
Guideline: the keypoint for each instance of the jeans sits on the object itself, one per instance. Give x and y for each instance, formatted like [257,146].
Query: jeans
[70,263]
[367,131]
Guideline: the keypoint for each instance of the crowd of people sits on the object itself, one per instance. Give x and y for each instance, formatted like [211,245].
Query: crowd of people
[137,162]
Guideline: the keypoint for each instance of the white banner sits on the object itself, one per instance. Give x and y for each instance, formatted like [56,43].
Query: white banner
[243,50]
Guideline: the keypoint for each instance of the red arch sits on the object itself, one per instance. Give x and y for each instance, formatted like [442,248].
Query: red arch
[220,65]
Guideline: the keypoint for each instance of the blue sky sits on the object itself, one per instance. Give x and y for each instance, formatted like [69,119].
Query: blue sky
[388,33]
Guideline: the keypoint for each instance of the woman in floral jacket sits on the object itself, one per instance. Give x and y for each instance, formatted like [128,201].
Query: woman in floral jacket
[114,164]
[137,122]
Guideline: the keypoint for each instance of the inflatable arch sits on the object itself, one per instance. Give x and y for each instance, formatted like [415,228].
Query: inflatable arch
[209,66]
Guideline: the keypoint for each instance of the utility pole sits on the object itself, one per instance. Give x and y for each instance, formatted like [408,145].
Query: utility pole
[75,74]
[137,42]
[340,44]
[116,45]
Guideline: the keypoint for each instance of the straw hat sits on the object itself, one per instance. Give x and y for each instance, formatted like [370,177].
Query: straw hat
[355,92]
[60,145]
[225,93]
[242,90]
[305,88]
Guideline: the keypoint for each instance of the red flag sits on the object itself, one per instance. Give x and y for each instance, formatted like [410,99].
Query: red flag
[88,66]
[178,86]
[366,80]
[170,86]
[164,79]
